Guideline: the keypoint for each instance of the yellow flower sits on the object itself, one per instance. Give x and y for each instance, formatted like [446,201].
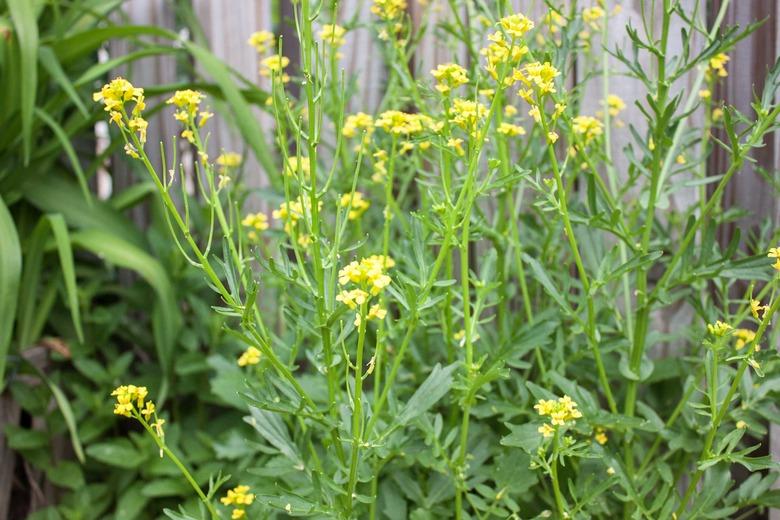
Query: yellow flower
[187,101]
[744,336]
[449,76]
[275,65]
[228,160]
[588,127]
[356,203]
[400,123]
[374,313]
[333,35]
[360,121]
[562,411]
[457,145]
[510,130]
[131,151]
[240,497]
[552,137]
[535,114]
[467,114]
[592,16]
[256,221]
[601,436]
[741,425]
[516,25]
[755,307]
[774,252]
[536,76]
[296,164]
[554,21]
[546,430]
[388,9]
[369,273]
[502,52]
[719,328]
[705,93]
[615,105]
[718,64]
[510,110]
[261,40]
[128,398]
[681,159]
[251,356]
[115,94]
[610,471]
[352,298]
[148,410]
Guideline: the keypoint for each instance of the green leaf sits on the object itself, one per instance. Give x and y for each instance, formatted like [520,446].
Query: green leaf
[131,503]
[10,276]
[117,452]
[273,429]
[64,140]
[166,487]
[245,119]
[26,26]
[49,62]
[523,436]
[67,413]
[19,438]
[118,251]
[66,474]
[435,386]
[541,277]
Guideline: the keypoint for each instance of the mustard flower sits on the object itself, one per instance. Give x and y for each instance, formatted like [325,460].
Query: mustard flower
[510,130]
[744,337]
[251,356]
[601,436]
[719,328]
[774,252]
[114,95]
[756,307]
[388,9]
[358,122]
[369,273]
[400,123]
[449,76]
[356,203]
[333,35]
[538,76]
[239,497]
[516,25]
[275,65]
[562,412]
[592,16]
[615,105]
[501,52]
[589,128]
[297,164]
[467,114]
[717,64]
[228,160]
[261,41]
[256,221]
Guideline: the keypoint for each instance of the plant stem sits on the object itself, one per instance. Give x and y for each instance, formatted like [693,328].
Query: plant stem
[559,503]
[357,410]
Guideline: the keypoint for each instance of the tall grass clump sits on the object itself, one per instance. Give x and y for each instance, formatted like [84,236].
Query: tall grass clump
[454,309]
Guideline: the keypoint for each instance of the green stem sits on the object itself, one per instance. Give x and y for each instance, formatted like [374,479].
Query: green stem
[357,410]
[559,503]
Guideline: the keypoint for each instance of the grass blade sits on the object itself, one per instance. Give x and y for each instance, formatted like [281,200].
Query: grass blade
[49,62]
[62,239]
[26,26]
[10,275]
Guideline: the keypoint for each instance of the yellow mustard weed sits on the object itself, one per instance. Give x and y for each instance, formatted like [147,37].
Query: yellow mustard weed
[554,21]
[358,122]
[510,130]
[274,66]
[774,252]
[516,25]
[449,76]
[601,436]
[251,356]
[187,101]
[561,412]
[129,398]
[756,307]
[356,203]
[467,114]
[744,337]
[501,52]
[719,328]
[401,123]
[456,143]
[741,425]
[114,95]
[552,137]
[256,222]
[388,9]
[537,77]
[333,35]
[510,110]
[368,273]
[239,497]
[717,65]
[705,93]
[352,299]
[375,312]
[592,16]
[261,41]
[587,127]
[228,160]
[615,105]
[296,164]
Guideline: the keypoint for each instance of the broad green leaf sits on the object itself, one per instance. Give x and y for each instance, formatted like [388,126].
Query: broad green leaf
[541,276]
[10,276]
[66,474]
[435,386]
[131,503]
[273,430]
[26,26]
[117,452]
[523,436]
[117,250]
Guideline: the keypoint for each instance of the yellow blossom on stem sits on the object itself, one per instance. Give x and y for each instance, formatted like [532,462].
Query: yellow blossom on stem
[717,64]
[275,65]
[719,328]
[615,105]
[388,9]
[744,336]
[239,497]
[400,123]
[358,122]
[516,25]
[251,356]
[296,164]
[261,40]
[256,221]
[589,128]
[228,160]
[592,16]
[333,35]
[561,411]
[774,252]
[369,273]
[510,130]
[356,203]
[449,76]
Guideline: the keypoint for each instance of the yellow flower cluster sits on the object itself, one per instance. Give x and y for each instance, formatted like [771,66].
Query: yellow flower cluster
[261,41]
[516,25]
[356,203]
[774,252]
[333,35]
[401,123]
[388,9]
[560,411]
[538,77]
[239,497]
[601,436]
[360,122]
[256,222]
[114,95]
[370,275]
[744,337]
[719,328]
[251,356]
[274,66]
[718,65]
[756,307]
[502,52]
[510,130]
[554,21]
[467,114]
[589,128]
[291,214]
[449,76]
[131,402]
[592,16]
[228,160]
[615,105]
[296,164]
